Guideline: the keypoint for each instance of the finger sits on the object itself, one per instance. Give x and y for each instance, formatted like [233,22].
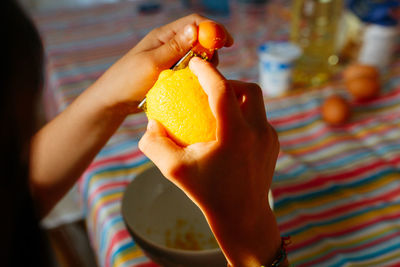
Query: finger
[196,19]
[159,148]
[177,25]
[163,34]
[221,97]
[175,48]
[251,103]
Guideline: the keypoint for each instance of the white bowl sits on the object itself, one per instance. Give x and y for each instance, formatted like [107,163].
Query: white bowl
[167,225]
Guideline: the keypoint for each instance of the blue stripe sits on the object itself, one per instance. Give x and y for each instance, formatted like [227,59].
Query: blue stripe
[119,250]
[120,167]
[105,230]
[333,249]
[341,218]
[279,204]
[115,149]
[293,173]
[297,125]
[337,203]
[292,109]
[83,70]
[344,160]
[369,256]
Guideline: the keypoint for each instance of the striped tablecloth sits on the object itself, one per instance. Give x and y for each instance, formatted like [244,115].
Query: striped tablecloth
[336,189]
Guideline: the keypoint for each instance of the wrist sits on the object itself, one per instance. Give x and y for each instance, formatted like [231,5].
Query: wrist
[109,103]
[250,240]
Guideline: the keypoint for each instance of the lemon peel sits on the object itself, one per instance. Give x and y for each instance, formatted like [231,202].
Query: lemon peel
[180,104]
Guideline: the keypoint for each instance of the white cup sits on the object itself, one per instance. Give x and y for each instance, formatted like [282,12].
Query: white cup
[275,66]
[378,45]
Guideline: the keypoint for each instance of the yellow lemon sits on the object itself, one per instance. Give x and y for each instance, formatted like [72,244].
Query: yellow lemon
[179,103]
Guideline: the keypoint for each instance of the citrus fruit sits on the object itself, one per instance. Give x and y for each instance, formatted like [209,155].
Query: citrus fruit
[211,35]
[335,110]
[356,70]
[179,103]
[363,88]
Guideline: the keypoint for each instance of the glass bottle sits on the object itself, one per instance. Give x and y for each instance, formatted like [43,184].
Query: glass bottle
[314,27]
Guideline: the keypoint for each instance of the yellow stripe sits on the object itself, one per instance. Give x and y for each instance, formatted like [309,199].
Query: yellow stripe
[127,255]
[325,248]
[115,173]
[316,146]
[378,129]
[381,261]
[339,138]
[110,197]
[304,128]
[345,224]
[345,193]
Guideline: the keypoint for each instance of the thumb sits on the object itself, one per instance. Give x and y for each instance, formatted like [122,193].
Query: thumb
[160,149]
[175,48]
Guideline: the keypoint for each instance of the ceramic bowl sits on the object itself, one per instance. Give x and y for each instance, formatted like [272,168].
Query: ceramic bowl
[167,225]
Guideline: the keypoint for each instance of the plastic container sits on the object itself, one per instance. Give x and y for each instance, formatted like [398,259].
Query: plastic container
[380,30]
[378,45]
[275,67]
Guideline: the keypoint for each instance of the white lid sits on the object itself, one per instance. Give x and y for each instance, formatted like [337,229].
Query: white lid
[280,51]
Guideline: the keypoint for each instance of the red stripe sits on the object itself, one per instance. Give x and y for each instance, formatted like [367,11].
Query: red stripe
[315,147]
[105,187]
[296,118]
[317,238]
[306,114]
[312,137]
[102,207]
[337,211]
[349,250]
[379,100]
[304,139]
[114,159]
[114,242]
[397,264]
[321,180]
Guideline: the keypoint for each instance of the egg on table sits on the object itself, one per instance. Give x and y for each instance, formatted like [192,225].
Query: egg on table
[335,110]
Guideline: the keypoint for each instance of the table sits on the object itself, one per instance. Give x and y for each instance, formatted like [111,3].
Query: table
[336,189]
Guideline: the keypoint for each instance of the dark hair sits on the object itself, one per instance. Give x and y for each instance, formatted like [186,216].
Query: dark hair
[21,84]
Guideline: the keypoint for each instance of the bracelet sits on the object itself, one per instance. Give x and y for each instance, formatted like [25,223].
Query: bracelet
[285,241]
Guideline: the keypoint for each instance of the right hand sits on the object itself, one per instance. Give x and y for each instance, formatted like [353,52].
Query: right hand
[229,178]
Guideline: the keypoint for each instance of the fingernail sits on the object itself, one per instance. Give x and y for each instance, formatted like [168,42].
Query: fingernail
[194,60]
[189,32]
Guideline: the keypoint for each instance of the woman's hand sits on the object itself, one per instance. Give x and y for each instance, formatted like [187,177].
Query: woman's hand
[126,83]
[229,179]
[62,150]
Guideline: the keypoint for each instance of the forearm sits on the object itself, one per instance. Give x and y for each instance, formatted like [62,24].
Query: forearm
[63,149]
[248,242]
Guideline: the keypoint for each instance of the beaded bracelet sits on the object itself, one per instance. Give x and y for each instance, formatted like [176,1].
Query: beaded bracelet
[285,241]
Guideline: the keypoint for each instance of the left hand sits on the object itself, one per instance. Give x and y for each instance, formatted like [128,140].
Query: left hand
[126,83]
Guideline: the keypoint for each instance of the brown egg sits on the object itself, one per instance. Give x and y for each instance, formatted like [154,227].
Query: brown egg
[363,88]
[335,110]
[360,71]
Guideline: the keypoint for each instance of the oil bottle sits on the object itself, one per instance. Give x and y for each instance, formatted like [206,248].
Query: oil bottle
[314,27]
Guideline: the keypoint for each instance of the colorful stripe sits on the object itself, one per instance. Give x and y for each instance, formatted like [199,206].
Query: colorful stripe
[336,189]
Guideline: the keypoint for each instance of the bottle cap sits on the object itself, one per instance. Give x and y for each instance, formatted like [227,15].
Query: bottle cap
[374,11]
